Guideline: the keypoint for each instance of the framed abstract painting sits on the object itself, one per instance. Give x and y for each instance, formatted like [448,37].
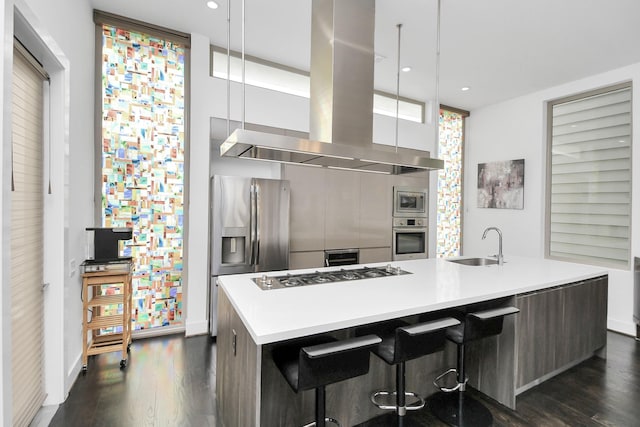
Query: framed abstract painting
[501,185]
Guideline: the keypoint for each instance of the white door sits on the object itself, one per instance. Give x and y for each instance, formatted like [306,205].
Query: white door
[27,194]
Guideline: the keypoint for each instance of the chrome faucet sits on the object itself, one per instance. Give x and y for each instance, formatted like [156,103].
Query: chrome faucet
[484,235]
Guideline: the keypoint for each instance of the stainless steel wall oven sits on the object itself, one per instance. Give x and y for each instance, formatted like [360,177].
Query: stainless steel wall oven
[409,238]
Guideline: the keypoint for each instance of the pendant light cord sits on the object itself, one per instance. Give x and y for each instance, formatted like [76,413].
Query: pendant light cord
[398,86]
[228,68]
[244,97]
[244,92]
[437,101]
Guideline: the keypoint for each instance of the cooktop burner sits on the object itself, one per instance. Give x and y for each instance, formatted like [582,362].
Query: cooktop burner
[294,280]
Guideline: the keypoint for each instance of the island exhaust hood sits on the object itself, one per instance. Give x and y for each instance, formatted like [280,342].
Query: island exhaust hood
[341,112]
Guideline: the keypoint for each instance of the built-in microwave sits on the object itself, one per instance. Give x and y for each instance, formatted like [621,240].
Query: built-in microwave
[409,202]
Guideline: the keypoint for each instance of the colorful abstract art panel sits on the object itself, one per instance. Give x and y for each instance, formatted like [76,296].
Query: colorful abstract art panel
[143,140]
[449,221]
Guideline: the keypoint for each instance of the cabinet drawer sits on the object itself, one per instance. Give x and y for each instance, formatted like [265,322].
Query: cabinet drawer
[313,259]
[371,255]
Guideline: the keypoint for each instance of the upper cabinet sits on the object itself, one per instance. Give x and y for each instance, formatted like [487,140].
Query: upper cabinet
[335,209]
[342,220]
[307,213]
[418,180]
[376,205]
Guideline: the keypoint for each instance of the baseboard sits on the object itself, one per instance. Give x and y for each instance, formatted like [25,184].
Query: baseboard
[72,375]
[44,416]
[626,328]
[196,328]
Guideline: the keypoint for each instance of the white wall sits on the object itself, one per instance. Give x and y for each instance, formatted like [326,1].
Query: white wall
[196,271]
[517,129]
[6,22]
[70,26]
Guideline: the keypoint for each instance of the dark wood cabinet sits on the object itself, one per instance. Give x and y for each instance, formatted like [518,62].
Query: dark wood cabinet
[237,379]
[559,327]
[555,329]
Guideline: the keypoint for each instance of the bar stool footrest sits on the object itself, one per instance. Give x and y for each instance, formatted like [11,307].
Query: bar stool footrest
[439,383]
[412,407]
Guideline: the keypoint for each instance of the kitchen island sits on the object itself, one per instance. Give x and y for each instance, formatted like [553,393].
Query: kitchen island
[562,322]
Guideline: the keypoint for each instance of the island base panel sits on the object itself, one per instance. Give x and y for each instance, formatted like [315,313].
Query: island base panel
[490,362]
[237,364]
[555,329]
[558,328]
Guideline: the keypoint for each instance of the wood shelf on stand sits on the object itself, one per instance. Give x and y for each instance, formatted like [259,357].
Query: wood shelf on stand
[95,340]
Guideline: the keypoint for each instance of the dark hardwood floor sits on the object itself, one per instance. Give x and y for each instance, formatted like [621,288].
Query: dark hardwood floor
[170,381]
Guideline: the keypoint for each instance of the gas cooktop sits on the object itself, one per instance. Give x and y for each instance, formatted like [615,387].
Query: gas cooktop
[318,277]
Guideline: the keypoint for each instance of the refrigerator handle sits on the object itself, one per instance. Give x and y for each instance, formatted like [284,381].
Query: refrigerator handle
[257,224]
[253,225]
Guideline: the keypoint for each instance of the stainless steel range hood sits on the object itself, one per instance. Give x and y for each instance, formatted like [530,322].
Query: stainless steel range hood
[341,105]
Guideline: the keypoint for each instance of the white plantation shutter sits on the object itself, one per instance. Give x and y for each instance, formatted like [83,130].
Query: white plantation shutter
[26,242]
[590,170]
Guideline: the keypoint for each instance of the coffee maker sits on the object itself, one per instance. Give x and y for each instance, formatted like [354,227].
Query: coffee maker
[103,244]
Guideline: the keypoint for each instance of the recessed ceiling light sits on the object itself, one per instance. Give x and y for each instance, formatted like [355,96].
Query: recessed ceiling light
[406,69]
[212,5]
[464,89]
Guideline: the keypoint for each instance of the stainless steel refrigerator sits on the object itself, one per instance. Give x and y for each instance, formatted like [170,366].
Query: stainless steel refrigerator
[250,223]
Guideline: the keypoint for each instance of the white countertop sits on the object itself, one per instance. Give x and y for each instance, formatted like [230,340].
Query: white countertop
[281,314]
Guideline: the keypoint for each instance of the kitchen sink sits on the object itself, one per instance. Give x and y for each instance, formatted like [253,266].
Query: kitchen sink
[476,262]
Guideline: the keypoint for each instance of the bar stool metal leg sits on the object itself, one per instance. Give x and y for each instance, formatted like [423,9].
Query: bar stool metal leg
[453,405]
[403,342]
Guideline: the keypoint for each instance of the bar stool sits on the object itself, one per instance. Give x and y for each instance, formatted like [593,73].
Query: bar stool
[402,342]
[450,404]
[318,361]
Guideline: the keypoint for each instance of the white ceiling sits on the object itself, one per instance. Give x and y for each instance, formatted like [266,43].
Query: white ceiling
[500,48]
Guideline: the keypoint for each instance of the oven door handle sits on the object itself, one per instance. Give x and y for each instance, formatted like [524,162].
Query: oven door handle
[409,228]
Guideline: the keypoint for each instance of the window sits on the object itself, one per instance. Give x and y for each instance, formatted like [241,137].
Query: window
[142,161]
[284,79]
[589,178]
[450,149]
